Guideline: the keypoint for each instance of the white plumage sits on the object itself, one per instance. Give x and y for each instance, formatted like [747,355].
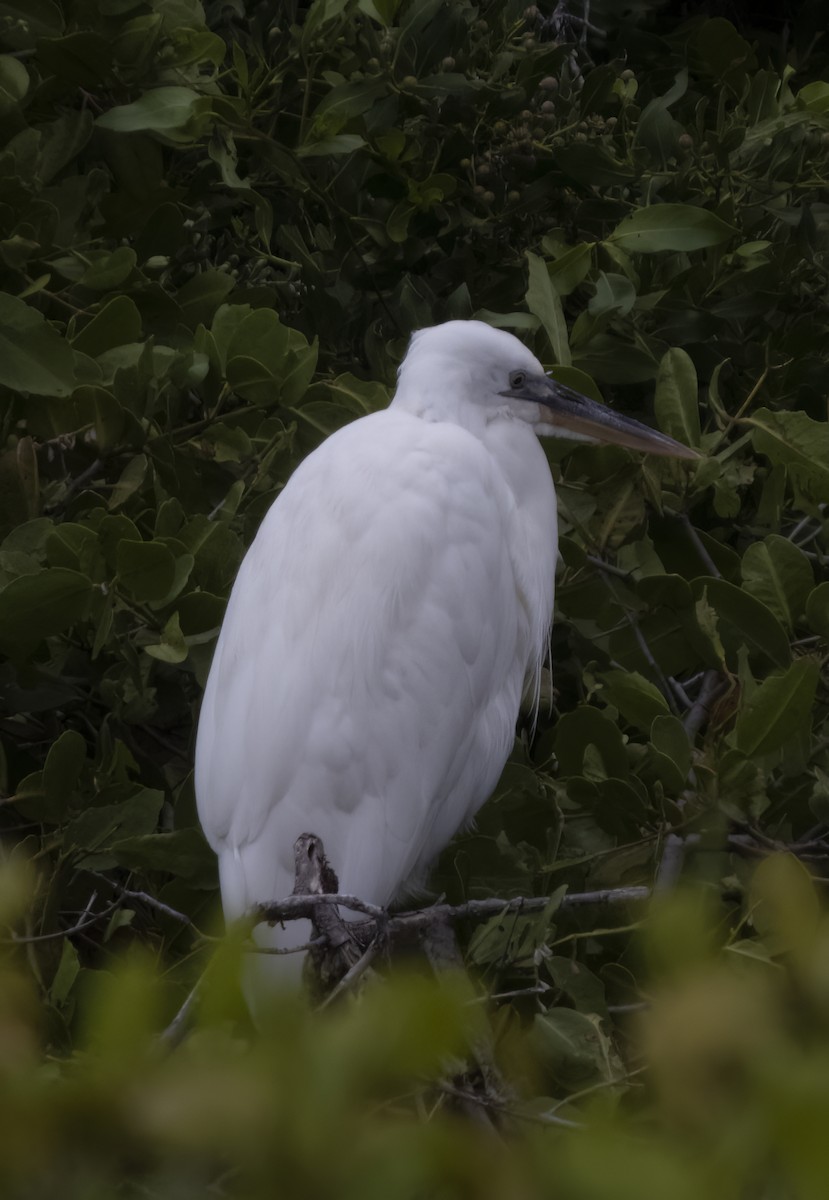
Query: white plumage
[393,609]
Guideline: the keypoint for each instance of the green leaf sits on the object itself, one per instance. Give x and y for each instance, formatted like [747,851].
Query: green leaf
[183,852]
[715,47]
[262,337]
[203,294]
[798,442]
[817,610]
[570,269]
[572,1048]
[342,143]
[582,728]
[109,270]
[132,477]
[82,59]
[578,380]
[346,101]
[668,736]
[709,627]
[780,575]
[543,302]
[815,97]
[14,82]
[670,227]
[34,358]
[677,397]
[145,569]
[637,699]
[785,909]
[97,827]
[172,647]
[24,21]
[66,974]
[584,989]
[118,322]
[397,224]
[40,605]
[63,766]
[179,113]
[744,620]
[779,709]
[614,294]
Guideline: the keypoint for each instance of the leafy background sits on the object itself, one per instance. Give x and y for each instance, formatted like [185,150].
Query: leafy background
[219,224]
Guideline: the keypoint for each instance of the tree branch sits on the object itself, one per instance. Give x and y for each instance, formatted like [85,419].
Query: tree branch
[417,921]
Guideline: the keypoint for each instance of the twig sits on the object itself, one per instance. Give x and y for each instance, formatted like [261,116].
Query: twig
[74,486]
[18,940]
[671,863]
[176,1031]
[712,683]
[145,897]
[641,641]
[293,908]
[673,854]
[705,557]
[679,691]
[601,565]
[353,974]
[403,925]
[539,989]
[314,944]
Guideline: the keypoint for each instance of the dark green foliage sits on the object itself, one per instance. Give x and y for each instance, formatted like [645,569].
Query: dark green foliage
[218,227]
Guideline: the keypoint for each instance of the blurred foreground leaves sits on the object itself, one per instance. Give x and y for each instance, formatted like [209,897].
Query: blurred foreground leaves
[721,1089]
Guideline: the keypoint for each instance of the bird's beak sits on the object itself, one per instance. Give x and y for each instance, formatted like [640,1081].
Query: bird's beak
[579,416]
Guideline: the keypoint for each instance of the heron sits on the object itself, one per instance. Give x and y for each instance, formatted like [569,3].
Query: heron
[387,623]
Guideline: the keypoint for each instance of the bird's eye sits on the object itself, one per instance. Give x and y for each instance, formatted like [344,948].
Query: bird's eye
[517,379]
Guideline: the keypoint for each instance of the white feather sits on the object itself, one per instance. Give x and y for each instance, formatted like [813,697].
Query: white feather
[383,628]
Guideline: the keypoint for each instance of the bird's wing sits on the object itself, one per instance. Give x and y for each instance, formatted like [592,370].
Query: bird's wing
[369,670]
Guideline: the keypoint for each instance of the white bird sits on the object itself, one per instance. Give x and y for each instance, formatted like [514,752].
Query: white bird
[391,613]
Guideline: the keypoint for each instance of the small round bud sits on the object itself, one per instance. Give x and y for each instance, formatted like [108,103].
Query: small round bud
[549,84]
[548,107]
[488,197]
[627,75]
[409,81]
[448,63]
[686,141]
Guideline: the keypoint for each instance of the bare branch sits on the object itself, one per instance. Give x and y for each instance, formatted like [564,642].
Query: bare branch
[418,920]
[176,1031]
[699,546]
[712,684]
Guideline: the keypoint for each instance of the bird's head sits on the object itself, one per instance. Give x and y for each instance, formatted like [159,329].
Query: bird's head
[469,369]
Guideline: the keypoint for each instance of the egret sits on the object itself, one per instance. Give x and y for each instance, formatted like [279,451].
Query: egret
[391,614]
